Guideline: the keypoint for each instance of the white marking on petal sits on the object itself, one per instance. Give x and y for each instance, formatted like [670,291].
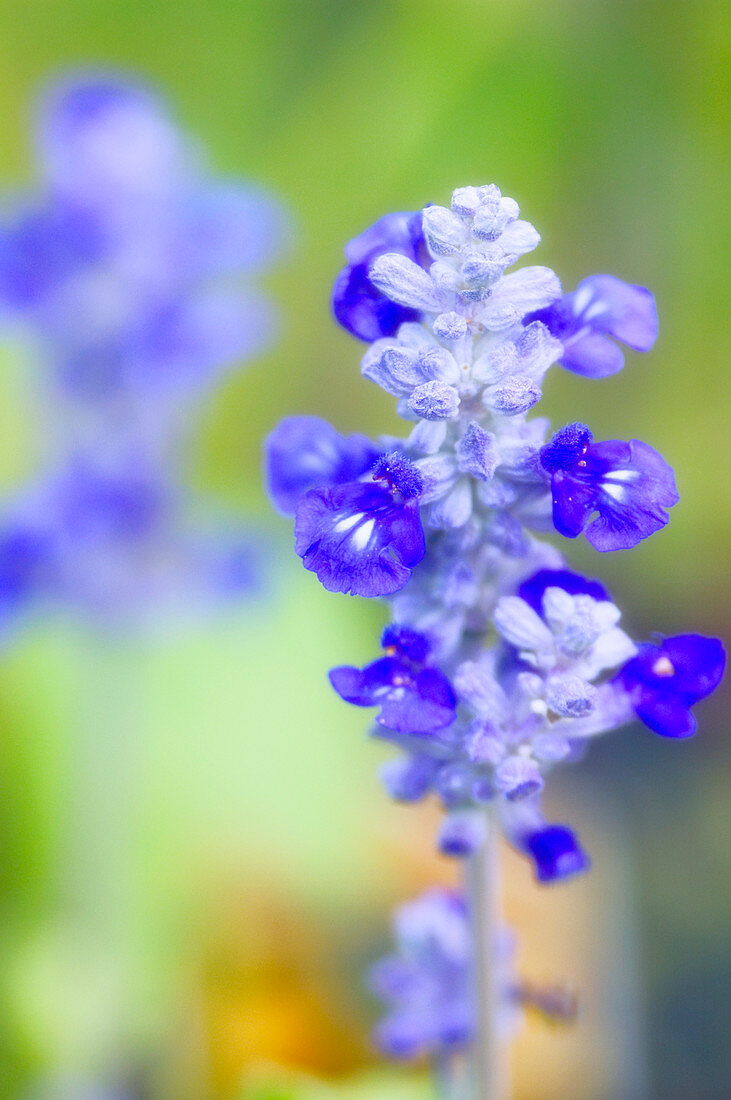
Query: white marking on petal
[623,475]
[595,310]
[362,536]
[582,299]
[349,521]
[616,492]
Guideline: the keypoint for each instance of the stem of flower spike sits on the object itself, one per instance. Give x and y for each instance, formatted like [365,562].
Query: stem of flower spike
[101,863]
[489,1071]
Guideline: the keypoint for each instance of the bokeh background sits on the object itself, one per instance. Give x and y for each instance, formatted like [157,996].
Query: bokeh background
[258,859]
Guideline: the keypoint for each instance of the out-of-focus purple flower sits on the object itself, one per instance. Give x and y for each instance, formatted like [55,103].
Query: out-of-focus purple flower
[357,303]
[26,555]
[130,271]
[629,484]
[305,452]
[364,537]
[427,983]
[556,853]
[130,267]
[602,306]
[665,680]
[103,138]
[414,697]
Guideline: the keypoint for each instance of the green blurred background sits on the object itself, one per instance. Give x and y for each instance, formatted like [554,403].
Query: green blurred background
[258,859]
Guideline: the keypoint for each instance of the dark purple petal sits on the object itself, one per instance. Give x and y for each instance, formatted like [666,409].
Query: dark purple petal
[357,304]
[573,503]
[357,539]
[699,664]
[409,643]
[556,852]
[664,680]
[630,485]
[665,714]
[601,306]
[424,706]
[631,510]
[359,687]
[413,699]
[533,589]
[399,232]
[305,452]
[362,310]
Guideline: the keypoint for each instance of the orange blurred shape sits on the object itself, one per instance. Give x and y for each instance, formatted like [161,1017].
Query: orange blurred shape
[270,994]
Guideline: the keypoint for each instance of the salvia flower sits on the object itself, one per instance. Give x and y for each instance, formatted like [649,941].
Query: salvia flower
[131,270]
[629,485]
[556,852]
[601,307]
[364,537]
[426,984]
[414,697]
[665,680]
[528,659]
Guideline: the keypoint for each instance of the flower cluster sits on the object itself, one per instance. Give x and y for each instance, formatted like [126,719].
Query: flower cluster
[128,271]
[500,662]
[426,984]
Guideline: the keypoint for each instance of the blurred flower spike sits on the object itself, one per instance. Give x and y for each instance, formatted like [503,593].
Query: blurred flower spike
[133,272]
[426,983]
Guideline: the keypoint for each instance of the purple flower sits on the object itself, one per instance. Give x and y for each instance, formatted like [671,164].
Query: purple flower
[629,484]
[121,266]
[533,589]
[305,452]
[413,696]
[26,550]
[104,137]
[357,303]
[665,680]
[600,307]
[556,853]
[364,537]
[43,248]
[426,983]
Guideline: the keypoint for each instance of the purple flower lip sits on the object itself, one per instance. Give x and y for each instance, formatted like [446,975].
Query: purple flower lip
[414,696]
[556,852]
[601,310]
[664,681]
[629,485]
